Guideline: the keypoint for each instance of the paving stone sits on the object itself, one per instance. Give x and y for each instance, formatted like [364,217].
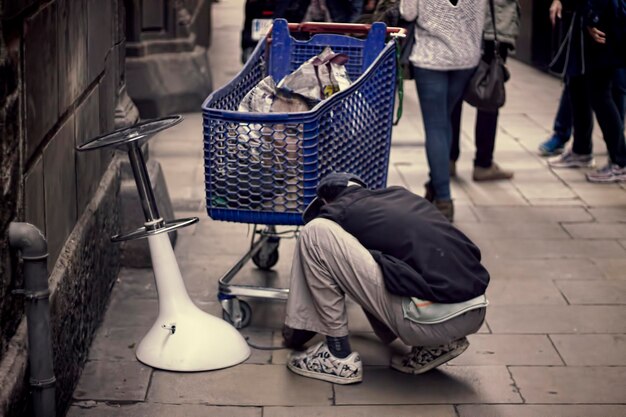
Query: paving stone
[134,283]
[596,230]
[34,200]
[363,411]
[507,292]
[600,196]
[557,319]
[129,312]
[591,350]
[532,214]
[116,343]
[447,385]
[609,214]
[255,385]
[160,410]
[613,268]
[88,164]
[553,248]
[517,230]
[571,385]
[40,75]
[554,190]
[532,410]
[499,193]
[113,381]
[497,349]
[594,292]
[72,43]
[546,269]
[259,337]
[573,202]
[60,188]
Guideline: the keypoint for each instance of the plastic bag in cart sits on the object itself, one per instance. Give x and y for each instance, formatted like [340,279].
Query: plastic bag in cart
[319,77]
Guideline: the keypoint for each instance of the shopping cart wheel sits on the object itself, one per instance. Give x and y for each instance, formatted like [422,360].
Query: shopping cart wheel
[267,256]
[240,315]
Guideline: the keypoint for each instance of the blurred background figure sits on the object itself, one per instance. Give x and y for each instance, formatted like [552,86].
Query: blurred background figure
[562,130]
[589,56]
[507,19]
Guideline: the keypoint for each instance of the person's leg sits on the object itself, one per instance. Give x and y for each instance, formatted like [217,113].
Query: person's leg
[432,89]
[324,260]
[457,82]
[562,129]
[619,91]
[583,117]
[455,145]
[564,120]
[485,133]
[598,85]
[580,155]
[486,122]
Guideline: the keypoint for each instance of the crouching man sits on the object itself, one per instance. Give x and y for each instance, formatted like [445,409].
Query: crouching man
[415,275]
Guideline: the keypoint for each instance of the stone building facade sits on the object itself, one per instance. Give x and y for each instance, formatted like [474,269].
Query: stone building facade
[61,73]
[64,80]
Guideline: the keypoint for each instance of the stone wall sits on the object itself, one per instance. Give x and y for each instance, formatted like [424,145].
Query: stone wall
[61,70]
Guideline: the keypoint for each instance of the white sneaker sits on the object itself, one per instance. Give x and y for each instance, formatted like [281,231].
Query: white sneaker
[608,173]
[423,359]
[570,159]
[317,362]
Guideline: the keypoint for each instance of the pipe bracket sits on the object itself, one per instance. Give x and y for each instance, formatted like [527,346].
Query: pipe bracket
[33,295]
[42,383]
[36,258]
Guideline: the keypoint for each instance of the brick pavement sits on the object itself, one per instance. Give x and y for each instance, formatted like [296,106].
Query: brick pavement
[554,342]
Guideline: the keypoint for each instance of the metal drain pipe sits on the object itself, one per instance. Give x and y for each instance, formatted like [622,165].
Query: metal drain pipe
[34,251]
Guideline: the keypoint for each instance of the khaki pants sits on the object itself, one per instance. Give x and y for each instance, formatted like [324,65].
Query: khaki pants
[329,264]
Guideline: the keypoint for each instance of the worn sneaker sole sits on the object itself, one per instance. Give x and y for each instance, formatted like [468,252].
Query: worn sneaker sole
[430,365]
[325,377]
[576,164]
[606,180]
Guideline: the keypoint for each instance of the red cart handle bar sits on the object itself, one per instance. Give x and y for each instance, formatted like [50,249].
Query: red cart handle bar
[320,27]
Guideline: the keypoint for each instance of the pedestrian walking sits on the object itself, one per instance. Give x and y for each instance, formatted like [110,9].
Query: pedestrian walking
[591,52]
[448,36]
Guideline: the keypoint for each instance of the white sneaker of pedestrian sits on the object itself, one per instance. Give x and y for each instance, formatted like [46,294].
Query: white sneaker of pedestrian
[570,159]
[423,359]
[317,362]
[608,173]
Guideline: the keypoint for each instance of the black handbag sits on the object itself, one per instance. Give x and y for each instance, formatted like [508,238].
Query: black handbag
[485,90]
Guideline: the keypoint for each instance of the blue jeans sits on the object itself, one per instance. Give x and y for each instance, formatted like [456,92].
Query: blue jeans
[439,92]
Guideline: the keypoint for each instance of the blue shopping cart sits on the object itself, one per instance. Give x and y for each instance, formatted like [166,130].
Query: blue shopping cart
[263,168]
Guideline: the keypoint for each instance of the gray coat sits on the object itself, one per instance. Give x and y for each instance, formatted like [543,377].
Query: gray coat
[507,21]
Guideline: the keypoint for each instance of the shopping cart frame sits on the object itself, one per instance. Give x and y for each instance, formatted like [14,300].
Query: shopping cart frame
[263,250]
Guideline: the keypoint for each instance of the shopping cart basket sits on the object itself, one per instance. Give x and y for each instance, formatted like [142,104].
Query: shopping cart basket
[263,168]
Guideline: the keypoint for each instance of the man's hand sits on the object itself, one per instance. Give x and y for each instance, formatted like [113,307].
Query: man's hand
[555,11]
[597,34]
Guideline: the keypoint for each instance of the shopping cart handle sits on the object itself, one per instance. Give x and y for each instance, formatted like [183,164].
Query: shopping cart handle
[321,27]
